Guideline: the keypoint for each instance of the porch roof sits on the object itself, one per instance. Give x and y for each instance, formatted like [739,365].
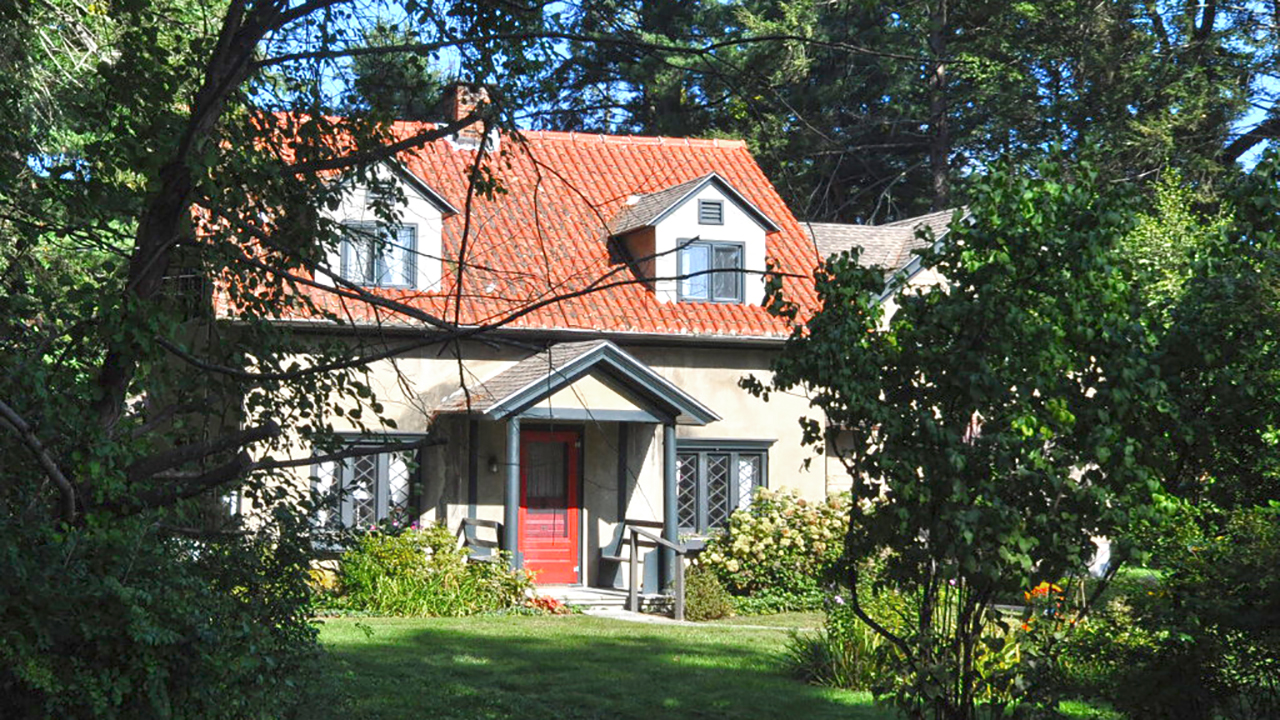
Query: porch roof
[521,388]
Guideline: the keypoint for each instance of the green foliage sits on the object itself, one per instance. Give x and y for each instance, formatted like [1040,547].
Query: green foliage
[778,554]
[845,653]
[1203,642]
[989,430]
[424,572]
[848,103]
[399,85]
[122,622]
[1219,331]
[705,597]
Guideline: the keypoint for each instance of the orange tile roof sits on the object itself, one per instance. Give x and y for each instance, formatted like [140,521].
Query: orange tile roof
[536,253]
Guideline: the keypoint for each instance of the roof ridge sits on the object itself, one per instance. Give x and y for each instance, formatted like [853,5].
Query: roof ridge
[604,138]
[916,219]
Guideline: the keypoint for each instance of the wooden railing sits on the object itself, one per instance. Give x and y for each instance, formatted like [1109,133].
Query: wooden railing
[637,538]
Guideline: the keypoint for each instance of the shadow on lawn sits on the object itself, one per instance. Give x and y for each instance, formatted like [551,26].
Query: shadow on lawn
[575,668]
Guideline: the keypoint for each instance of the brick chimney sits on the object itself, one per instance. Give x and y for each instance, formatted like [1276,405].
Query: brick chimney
[461,99]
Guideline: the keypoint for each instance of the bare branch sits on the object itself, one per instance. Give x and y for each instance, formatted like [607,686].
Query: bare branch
[1268,129]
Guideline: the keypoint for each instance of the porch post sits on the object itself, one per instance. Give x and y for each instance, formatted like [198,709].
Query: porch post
[670,523]
[511,495]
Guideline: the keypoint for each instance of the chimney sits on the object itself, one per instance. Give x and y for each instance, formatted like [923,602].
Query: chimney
[462,99]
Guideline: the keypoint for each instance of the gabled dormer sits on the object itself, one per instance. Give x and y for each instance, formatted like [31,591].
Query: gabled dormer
[699,241]
[373,254]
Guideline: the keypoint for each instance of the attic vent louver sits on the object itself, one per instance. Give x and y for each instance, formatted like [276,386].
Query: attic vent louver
[710,212]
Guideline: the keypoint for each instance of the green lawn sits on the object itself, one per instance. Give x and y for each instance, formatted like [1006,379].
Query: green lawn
[570,667]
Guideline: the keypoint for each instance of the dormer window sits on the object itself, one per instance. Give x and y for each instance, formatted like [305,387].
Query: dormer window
[710,212]
[698,241]
[711,272]
[372,257]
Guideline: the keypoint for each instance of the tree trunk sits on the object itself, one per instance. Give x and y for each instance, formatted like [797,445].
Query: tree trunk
[939,134]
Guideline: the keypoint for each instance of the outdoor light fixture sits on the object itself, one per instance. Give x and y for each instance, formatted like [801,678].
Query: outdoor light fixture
[493,464]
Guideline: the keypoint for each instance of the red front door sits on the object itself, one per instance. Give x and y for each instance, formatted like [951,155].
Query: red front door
[549,504]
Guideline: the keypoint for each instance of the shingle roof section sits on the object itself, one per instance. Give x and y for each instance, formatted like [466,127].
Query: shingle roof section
[484,395]
[889,247]
[647,208]
[536,252]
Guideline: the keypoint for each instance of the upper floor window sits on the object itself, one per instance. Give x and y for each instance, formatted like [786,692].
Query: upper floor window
[716,478]
[711,271]
[710,212]
[372,259]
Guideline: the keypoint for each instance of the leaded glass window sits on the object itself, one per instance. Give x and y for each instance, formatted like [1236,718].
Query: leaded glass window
[713,479]
[364,490]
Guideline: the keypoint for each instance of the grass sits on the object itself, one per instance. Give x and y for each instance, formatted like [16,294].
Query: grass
[781,621]
[571,667]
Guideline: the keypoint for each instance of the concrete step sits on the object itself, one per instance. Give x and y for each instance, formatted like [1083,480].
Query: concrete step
[602,598]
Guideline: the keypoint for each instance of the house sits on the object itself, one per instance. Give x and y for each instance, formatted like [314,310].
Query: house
[625,278]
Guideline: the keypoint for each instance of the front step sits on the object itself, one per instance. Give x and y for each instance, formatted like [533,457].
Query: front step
[589,598]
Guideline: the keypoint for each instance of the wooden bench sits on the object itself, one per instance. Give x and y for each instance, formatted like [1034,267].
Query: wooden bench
[481,549]
[613,557]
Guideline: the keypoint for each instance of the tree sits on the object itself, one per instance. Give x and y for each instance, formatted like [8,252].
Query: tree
[1210,275]
[864,111]
[991,428]
[152,150]
[401,85]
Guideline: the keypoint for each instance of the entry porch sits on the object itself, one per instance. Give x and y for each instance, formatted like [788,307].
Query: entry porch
[570,454]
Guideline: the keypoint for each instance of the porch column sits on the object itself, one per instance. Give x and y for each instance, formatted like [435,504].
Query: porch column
[511,495]
[670,522]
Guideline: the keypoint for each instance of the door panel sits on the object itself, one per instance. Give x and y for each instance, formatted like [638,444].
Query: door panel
[549,504]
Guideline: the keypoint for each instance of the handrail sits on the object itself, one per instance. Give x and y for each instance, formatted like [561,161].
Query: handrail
[635,534]
[680,549]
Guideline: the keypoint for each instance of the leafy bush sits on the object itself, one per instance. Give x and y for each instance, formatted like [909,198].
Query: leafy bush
[1204,642]
[423,572]
[123,622]
[845,653]
[778,554]
[704,596]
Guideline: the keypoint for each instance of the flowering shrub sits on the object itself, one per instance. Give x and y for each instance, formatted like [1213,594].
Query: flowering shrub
[422,571]
[778,554]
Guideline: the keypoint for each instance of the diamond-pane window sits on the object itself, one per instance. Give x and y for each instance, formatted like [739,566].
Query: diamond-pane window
[363,490]
[687,489]
[715,478]
[749,472]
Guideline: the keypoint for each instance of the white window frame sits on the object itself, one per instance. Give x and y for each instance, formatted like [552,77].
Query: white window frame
[709,275]
[374,273]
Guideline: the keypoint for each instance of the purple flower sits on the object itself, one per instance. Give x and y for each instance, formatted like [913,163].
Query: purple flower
[839,599]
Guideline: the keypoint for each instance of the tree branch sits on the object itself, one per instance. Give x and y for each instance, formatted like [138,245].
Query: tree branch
[1268,129]
[350,452]
[184,454]
[170,493]
[15,422]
